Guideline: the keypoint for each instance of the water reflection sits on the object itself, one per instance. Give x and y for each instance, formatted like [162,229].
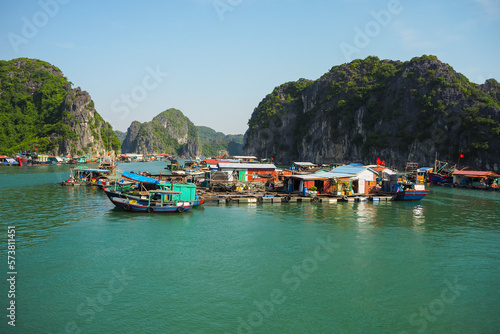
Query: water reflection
[419,217]
[365,214]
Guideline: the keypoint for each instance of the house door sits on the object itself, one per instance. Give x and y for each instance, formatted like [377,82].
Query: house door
[242,175]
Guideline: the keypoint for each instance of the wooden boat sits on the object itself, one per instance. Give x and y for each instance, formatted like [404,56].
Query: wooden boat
[30,159]
[188,192]
[159,201]
[440,178]
[400,188]
[410,195]
[85,176]
[442,172]
[107,163]
[120,185]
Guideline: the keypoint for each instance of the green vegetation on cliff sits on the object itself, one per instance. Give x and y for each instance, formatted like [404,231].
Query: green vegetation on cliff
[173,133]
[169,132]
[120,135]
[216,143]
[35,110]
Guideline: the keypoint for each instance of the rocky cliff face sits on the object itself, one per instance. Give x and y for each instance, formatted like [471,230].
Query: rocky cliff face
[39,109]
[170,132]
[92,134]
[398,111]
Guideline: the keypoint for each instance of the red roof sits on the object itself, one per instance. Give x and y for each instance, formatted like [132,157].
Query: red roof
[4,157]
[475,173]
[215,161]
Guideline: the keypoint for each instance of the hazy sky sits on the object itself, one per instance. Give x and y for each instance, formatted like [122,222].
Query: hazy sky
[215,60]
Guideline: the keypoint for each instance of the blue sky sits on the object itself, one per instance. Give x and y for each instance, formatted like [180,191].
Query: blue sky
[215,60]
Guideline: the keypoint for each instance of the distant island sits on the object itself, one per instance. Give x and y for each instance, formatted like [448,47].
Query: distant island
[173,133]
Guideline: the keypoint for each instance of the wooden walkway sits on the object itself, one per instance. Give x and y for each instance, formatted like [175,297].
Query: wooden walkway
[237,199]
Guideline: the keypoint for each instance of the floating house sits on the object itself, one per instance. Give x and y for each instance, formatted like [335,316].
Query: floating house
[43,158]
[353,179]
[302,166]
[475,178]
[7,160]
[212,164]
[56,160]
[245,158]
[247,172]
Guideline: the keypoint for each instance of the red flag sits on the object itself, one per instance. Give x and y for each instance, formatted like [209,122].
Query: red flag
[383,162]
[462,156]
[379,161]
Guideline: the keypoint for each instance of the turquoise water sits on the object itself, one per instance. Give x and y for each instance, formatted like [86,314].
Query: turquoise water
[85,267]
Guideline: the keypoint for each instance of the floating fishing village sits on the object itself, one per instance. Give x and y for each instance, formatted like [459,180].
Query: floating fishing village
[250,167]
[187,183]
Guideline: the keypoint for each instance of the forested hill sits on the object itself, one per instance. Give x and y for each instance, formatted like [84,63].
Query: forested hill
[39,109]
[169,132]
[174,133]
[402,112]
[215,143]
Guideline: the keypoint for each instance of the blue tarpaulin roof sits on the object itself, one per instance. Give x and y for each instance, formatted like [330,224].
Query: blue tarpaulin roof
[140,178]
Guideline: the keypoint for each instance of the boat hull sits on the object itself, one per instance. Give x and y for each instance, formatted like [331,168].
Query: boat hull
[409,195]
[129,205]
[437,178]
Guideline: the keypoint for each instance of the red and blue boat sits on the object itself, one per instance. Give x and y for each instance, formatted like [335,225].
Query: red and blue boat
[401,189]
[440,178]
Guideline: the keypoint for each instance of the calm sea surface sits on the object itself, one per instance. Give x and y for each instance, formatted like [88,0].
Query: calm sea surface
[85,267]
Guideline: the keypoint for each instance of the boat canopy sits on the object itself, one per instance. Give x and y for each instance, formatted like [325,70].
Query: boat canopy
[141,178]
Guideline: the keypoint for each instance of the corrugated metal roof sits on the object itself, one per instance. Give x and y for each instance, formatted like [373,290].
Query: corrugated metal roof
[353,170]
[244,157]
[304,164]
[246,166]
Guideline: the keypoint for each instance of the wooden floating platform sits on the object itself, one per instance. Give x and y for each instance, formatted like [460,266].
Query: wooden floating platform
[238,199]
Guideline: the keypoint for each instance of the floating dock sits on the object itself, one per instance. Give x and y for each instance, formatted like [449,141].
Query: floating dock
[239,199]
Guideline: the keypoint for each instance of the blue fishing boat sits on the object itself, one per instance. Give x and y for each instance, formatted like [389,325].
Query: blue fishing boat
[440,178]
[442,172]
[158,201]
[400,188]
[187,192]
